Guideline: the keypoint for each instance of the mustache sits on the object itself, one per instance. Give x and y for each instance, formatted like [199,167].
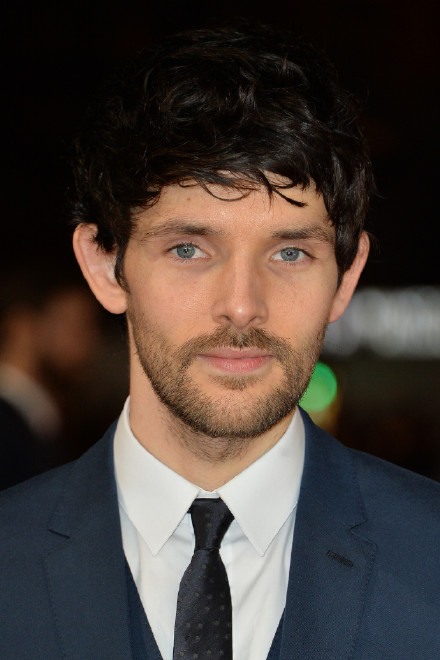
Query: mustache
[225,337]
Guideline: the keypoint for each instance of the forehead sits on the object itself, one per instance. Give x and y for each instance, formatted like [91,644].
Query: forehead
[224,210]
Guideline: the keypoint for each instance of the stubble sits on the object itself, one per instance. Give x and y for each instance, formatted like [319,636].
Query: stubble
[216,428]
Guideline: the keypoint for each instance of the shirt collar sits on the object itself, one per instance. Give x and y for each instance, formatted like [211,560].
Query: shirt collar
[264,495]
[156,498]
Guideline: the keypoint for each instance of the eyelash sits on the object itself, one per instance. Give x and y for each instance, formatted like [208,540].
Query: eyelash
[180,245]
[292,248]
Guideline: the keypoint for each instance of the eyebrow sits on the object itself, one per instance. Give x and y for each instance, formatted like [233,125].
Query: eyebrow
[192,228]
[170,227]
[313,232]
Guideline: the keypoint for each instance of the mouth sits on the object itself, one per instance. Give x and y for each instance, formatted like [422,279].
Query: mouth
[236,360]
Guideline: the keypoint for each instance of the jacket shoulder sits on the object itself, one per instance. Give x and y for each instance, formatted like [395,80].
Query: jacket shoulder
[399,493]
[351,480]
[27,508]
[35,497]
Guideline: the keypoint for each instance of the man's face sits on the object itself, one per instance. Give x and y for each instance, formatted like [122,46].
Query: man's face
[227,304]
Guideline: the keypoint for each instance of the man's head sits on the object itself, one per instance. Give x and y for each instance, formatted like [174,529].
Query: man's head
[224,107]
[222,191]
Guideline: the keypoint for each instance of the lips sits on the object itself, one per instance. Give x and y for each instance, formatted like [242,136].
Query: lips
[236,360]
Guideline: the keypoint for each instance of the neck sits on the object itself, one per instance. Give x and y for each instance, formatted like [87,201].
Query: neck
[203,460]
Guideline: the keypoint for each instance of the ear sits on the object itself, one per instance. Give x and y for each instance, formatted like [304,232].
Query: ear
[98,268]
[350,280]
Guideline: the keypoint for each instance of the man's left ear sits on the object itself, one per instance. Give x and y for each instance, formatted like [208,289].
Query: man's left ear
[350,279]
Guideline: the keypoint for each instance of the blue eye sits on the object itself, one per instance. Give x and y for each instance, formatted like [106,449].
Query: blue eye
[289,254]
[187,251]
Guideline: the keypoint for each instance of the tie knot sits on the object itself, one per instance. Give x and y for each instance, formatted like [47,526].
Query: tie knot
[211,519]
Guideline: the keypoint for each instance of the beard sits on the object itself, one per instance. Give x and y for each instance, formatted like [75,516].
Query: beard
[236,413]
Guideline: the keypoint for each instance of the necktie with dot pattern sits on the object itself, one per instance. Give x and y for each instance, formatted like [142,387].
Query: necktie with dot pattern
[203,628]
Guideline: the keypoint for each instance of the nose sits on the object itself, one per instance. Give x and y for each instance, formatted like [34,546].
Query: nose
[240,298]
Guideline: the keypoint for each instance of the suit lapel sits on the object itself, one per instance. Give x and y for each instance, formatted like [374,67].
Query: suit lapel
[330,566]
[331,562]
[86,573]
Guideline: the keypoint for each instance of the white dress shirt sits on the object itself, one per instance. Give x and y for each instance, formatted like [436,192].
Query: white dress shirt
[158,537]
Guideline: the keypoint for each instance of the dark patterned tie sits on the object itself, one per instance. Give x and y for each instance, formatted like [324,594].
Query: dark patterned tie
[203,627]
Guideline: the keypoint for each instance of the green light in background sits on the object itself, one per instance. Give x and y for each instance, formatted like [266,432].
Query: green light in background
[322,389]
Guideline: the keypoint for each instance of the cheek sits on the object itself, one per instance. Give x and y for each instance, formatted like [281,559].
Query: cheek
[172,306]
[300,312]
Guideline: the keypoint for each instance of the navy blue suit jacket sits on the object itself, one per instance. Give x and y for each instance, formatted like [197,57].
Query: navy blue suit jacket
[364,576]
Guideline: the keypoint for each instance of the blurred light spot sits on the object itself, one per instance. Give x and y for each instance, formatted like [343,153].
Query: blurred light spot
[393,323]
[322,389]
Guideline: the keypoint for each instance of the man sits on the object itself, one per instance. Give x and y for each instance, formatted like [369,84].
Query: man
[48,334]
[222,187]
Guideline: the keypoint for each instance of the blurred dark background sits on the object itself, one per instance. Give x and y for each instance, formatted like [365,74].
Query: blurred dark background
[53,56]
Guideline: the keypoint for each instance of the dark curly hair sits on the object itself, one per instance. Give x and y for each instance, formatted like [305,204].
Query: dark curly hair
[221,106]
